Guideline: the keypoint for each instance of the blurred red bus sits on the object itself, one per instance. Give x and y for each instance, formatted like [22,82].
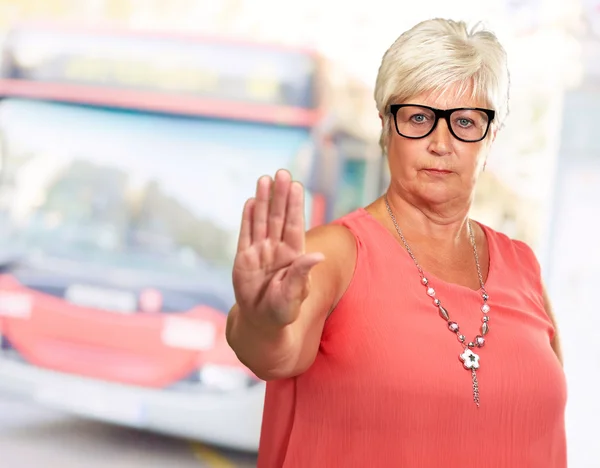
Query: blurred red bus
[126,159]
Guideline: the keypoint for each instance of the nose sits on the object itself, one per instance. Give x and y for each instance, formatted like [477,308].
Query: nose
[440,139]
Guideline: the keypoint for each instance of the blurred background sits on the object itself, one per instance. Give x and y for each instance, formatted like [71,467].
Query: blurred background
[121,186]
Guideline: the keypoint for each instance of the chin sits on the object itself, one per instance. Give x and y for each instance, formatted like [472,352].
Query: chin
[437,195]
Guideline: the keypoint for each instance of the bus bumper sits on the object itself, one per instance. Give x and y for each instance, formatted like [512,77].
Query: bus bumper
[226,419]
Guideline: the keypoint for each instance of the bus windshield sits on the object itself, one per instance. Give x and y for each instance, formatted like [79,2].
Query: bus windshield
[132,190]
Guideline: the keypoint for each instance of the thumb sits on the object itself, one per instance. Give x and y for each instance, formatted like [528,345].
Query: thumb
[296,277]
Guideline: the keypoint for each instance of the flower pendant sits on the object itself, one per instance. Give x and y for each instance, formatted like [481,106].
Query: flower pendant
[471,362]
[470,359]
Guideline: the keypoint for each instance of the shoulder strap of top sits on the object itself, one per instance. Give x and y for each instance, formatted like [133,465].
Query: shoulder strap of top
[518,256]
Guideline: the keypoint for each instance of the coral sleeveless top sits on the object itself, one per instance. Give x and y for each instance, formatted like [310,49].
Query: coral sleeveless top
[387,388]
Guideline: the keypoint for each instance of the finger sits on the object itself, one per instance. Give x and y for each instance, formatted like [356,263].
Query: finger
[245,238]
[281,190]
[261,209]
[294,227]
[295,280]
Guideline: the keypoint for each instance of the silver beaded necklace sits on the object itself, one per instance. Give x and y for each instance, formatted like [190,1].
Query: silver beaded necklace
[469,359]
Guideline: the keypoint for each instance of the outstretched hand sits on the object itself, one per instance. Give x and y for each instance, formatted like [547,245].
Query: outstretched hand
[271,268]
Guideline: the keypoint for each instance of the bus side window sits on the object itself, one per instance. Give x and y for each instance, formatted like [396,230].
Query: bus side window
[301,168]
[351,188]
[360,179]
[353,181]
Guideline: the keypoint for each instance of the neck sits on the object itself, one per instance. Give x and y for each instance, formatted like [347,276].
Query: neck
[444,223]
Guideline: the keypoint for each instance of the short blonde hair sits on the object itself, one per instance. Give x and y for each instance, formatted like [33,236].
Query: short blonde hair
[435,54]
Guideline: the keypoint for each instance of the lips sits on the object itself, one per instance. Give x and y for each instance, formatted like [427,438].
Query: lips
[441,171]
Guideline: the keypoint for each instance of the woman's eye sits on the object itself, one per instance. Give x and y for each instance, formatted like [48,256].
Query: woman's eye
[464,122]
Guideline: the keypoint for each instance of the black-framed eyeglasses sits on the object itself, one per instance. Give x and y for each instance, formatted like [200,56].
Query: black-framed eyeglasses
[468,124]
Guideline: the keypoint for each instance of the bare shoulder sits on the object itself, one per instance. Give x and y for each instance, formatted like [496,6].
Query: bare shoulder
[338,245]
[332,237]
[334,241]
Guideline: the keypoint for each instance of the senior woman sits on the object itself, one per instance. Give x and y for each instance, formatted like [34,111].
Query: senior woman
[404,334]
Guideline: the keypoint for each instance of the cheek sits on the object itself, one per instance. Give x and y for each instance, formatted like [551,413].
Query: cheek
[404,152]
[471,159]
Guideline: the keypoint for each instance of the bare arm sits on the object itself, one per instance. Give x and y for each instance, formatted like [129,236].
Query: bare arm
[272,351]
[556,344]
[286,281]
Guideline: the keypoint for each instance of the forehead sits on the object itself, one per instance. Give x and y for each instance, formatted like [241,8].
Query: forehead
[449,97]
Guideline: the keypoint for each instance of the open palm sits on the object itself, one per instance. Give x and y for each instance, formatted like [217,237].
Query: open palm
[270,273]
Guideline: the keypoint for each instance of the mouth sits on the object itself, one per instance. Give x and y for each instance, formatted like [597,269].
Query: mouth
[437,171]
